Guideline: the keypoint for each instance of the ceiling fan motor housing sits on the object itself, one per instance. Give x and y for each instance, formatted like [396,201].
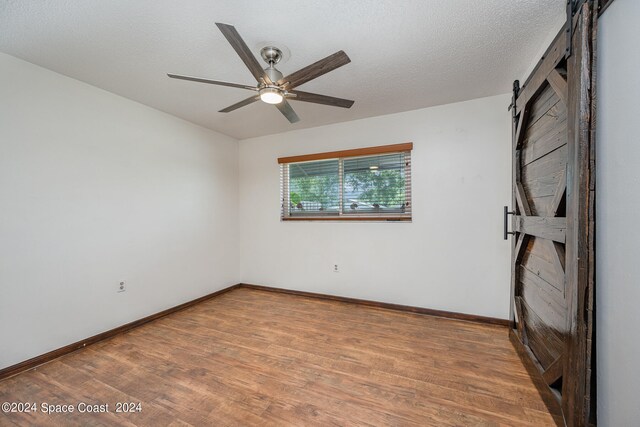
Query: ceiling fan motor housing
[273,74]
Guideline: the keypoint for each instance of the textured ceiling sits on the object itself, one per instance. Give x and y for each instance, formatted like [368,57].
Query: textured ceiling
[406,54]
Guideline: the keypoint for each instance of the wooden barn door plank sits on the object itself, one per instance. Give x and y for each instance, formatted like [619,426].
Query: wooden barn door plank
[559,85]
[576,386]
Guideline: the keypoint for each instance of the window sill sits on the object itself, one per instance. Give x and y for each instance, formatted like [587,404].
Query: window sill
[349,218]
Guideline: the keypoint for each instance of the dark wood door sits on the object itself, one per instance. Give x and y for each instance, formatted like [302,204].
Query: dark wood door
[553,202]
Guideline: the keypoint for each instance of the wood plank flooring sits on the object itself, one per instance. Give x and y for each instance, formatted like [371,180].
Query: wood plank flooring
[251,357]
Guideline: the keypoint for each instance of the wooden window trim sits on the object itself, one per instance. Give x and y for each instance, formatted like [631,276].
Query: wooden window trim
[381,149]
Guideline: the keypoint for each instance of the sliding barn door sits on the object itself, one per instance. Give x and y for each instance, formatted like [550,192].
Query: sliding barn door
[552,258]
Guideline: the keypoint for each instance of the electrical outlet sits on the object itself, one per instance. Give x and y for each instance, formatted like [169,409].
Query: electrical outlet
[335,268]
[121,287]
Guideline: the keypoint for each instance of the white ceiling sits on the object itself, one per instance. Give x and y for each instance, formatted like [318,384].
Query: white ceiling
[406,54]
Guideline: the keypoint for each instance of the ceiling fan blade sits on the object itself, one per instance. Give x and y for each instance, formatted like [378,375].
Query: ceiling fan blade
[314,70]
[286,109]
[320,99]
[213,82]
[243,51]
[242,103]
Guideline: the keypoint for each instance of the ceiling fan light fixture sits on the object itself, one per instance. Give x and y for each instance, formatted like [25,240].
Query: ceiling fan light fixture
[271,95]
[272,87]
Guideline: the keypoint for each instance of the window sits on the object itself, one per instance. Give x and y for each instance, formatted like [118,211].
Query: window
[364,184]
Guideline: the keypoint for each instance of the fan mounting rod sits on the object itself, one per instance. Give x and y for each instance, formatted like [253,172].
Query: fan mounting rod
[272,55]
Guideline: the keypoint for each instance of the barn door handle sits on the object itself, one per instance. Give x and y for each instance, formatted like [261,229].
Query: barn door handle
[507,212]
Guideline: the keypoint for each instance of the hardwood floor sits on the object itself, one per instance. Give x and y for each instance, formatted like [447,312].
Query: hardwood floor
[251,357]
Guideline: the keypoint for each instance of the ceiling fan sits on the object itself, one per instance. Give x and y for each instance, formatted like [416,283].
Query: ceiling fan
[272,87]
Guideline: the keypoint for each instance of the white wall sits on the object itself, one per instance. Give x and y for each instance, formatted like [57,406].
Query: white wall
[451,257]
[95,189]
[618,207]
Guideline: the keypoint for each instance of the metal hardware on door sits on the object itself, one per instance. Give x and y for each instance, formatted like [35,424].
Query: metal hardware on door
[507,212]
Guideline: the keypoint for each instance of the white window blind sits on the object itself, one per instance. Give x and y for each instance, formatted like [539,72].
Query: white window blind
[349,186]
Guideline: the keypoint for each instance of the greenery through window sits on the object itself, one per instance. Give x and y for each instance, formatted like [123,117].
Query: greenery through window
[314,187]
[374,184]
[349,188]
